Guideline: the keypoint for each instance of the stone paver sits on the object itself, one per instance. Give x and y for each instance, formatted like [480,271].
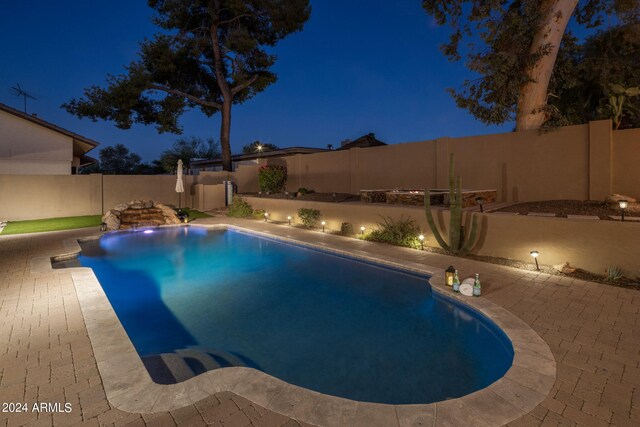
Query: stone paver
[46,355]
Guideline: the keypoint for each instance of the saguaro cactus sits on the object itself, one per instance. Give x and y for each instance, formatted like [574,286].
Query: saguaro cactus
[457,242]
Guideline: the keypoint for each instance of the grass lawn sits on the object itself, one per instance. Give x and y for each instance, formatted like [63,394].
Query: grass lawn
[51,224]
[194,214]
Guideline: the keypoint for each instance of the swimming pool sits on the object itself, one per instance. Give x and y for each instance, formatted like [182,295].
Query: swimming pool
[324,322]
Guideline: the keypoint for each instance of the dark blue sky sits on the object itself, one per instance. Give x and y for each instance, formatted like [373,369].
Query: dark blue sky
[357,67]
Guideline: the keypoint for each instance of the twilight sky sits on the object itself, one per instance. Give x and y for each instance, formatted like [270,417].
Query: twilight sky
[357,67]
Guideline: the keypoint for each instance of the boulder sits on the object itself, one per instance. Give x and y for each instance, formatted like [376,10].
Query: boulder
[564,268]
[147,204]
[120,207]
[136,205]
[111,220]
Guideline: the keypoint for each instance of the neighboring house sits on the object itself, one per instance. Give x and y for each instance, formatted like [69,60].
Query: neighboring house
[368,140]
[32,146]
[250,159]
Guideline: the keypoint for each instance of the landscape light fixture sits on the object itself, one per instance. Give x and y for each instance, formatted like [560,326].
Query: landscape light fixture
[266,216]
[103,226]
[323,224]
[289,219]
[480,202]
[535,254]
[362,228]
[421,238]
[259,148]
[624,204]
[449,274]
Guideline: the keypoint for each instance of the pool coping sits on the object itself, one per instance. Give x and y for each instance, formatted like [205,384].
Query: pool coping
[129,387]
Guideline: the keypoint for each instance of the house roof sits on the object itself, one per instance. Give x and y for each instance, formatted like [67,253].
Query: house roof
[81,144]
[290,151]
[368,140]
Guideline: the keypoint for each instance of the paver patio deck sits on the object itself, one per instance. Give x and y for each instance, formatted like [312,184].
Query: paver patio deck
[46,356]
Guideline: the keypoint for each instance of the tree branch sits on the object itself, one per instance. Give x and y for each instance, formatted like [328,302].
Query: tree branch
[195,99]
[229,21]
[244,85]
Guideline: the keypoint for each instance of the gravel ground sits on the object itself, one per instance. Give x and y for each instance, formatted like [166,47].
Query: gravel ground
[562,208]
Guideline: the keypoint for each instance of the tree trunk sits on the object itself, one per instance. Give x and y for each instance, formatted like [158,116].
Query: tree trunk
[533,95]
[225,130]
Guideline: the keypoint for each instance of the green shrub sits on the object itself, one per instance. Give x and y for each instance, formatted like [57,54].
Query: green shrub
[239,208]
[272,178]
[346,229]
[614,273]
[303,191]
[258,213]
[309,217]
[399,232]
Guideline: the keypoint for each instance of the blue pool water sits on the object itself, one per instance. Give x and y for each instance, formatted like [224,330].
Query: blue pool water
[324,322]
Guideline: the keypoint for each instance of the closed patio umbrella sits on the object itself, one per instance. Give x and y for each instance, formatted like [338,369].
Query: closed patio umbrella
[179,183]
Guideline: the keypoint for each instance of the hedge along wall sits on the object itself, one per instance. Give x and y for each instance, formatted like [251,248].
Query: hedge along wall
[587,244]
[584,162]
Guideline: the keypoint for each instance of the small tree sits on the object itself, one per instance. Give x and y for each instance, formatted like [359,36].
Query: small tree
[188,149]
[118,160]
[272,178]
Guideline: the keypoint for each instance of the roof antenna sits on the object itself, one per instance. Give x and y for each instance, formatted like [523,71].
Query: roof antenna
[24,94]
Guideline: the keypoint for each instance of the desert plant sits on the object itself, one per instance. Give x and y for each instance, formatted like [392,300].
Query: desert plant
[309,217]
[399,232]
[613,273]
[615,105]
[272,178]
[457,243]
[258,213]
[240,208]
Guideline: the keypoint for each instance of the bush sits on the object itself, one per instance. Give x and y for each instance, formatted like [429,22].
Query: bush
[309,217]
[259,214]
[239,208]
[304,191]
[272,178]
[346,229]
[398,232]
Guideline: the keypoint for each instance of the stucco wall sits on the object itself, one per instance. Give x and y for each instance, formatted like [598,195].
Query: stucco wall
[626,156]
[573,162]
[161,188]
[27,148]
[207,197]
[47,196]
[590,245]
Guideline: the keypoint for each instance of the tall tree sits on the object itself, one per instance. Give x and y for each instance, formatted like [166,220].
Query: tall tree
[188,149]
[519,41]
[582,81]
[258,146]
[118,160]
[211,54]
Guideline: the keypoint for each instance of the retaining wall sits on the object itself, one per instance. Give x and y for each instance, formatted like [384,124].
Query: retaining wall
[592,245]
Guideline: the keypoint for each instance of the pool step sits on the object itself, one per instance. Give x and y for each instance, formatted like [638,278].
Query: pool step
[177,366]
[171,368]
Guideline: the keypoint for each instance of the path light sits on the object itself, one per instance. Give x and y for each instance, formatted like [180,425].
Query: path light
[449,274]
[362,228]
[103,226]
[266,216]
[289,219]
[480,202]
[323,224]
[623,205]
[535,254]
[421,238]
